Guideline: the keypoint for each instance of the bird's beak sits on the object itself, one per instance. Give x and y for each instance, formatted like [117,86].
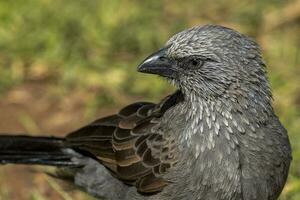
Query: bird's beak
[158,63]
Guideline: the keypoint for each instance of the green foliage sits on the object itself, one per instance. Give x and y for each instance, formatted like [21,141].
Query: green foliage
[84,44]
[72,38]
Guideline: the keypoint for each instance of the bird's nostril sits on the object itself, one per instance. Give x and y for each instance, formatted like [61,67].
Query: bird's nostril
[163,58]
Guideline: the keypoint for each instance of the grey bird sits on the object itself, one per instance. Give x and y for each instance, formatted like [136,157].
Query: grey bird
[215,138]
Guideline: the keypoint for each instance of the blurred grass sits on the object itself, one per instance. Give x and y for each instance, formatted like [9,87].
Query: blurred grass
[93,47]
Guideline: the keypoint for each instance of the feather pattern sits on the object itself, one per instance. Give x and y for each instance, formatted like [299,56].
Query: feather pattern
[126,144]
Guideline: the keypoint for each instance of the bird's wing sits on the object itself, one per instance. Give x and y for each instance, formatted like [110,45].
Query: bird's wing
[129,145]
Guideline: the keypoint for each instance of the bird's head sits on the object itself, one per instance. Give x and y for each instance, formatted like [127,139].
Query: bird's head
[210,61]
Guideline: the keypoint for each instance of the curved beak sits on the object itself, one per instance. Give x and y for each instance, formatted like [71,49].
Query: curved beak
[158,63]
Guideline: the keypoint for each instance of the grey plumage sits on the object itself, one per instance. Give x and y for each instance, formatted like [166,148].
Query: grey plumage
[216,138]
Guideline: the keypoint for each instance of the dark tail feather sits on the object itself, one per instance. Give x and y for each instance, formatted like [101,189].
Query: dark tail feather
[35,150]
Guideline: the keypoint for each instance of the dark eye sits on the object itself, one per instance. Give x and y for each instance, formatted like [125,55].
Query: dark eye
[195,63]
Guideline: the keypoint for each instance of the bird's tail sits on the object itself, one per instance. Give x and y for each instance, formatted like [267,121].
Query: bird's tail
[35,150]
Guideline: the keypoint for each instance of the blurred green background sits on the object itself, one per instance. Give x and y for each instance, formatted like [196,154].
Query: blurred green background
[64,63]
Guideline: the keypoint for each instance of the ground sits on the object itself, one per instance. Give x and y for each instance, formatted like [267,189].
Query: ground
[30,109]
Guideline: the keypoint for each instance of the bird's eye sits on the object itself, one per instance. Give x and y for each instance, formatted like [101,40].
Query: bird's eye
[195,63]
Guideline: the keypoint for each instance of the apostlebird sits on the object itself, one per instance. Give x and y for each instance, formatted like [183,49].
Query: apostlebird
[215,138]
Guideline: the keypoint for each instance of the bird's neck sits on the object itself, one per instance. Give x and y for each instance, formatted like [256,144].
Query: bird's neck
[208,119]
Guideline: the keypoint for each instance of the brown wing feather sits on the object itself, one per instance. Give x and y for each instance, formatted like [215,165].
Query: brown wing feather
[126,144]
